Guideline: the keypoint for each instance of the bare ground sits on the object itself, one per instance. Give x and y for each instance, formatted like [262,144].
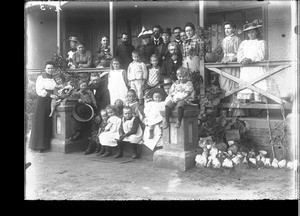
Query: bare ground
[58,176]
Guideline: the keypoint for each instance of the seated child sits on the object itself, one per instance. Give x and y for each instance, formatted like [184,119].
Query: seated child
[133,103]
[108,138]
[180,92]
[119,106]
[104,118]
[130,131]
[62,92]
[153,120]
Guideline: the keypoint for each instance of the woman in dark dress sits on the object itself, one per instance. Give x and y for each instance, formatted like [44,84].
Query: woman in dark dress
[41,122]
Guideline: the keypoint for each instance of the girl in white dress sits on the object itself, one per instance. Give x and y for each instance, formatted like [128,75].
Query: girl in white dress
[111,132]
[252,50]
[117,80]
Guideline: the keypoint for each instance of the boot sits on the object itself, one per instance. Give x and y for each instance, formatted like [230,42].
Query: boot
[75,136]
[107,152]
[91,148]
[102,151]
[135,154]
[98,148]
[120,150]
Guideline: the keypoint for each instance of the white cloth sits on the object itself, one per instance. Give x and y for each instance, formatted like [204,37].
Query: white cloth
[116,85]
[133,138]
[255,50]
[108,138]
[152,112]
[156,141]
[42,84]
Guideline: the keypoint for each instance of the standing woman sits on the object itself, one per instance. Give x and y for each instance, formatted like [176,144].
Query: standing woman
[103,55]
[229,46]
[191,48]
[41,122]
[252,50]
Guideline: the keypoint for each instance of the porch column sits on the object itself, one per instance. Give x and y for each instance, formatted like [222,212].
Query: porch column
[111,27]
[202,68]
[58,28]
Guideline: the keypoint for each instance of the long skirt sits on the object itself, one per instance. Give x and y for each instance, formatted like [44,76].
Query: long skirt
[225,83]
[41,125]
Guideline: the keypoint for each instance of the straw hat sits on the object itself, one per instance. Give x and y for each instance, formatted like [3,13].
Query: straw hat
[83,112]
[145,33]
[72,38]
[250,26]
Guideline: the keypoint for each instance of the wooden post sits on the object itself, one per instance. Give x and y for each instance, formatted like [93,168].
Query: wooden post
[58,29]
[202,68]
[111,27]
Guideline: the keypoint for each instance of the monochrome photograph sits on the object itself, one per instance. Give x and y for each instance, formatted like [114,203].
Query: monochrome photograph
[161,100]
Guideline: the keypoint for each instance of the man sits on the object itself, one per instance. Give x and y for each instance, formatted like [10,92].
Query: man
[156,40]
[98,85]
[176,33]
[73,45]
[124,51]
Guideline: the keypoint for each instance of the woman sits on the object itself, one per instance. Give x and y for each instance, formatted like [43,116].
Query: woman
[191,48]
[103,55]
[252,50]
[82,58]
[229,46]
[41,122]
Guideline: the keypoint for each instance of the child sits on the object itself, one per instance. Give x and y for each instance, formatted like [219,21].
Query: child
[131,101]
[61,91]
[104,117]
[130,131]
[119,104]
[172,62]
[86,95]
[153,75]
[117,82]
[180,91]
[137,75]
[153,120]
[111,132]
[167,85]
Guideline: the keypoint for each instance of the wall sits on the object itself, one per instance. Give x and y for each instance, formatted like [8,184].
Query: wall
[40,39]
[279,44]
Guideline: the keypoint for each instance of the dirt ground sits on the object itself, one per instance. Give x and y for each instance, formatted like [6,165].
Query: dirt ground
[74,176]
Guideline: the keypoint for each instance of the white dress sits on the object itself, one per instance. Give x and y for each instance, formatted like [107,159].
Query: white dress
[255,50]
[116,85]
[153,118]
[108,138]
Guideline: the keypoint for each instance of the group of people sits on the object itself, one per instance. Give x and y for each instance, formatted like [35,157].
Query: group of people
[142,82]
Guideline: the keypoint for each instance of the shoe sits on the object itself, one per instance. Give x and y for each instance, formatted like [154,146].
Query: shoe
[134,156]
[102,151]
[88,151]
[98,148]
[119,155]
[75,136]
[178,124]
[166,125]
[106,154]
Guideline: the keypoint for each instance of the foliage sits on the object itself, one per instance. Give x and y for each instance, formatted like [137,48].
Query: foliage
[212,96]
[205,39]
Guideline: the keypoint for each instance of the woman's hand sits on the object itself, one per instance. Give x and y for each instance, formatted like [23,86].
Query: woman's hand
[53,96]
[80,100]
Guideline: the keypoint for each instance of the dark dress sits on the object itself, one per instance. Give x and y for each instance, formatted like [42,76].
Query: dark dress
[124,53]
[41,122]
[146,51]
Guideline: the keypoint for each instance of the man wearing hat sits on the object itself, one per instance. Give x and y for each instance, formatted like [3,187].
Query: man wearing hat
[124,51]
[163,47]
[146,49]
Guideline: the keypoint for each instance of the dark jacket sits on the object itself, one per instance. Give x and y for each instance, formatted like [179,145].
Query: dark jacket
[159,42]
[146,51]
[124,53]
[169,69]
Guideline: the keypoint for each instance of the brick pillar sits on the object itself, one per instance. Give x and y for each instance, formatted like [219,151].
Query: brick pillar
[180,145]
[63,124]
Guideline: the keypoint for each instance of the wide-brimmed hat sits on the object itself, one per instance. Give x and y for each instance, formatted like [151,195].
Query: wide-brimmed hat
[72,38]
[250,26]
[145,33]
[83,112]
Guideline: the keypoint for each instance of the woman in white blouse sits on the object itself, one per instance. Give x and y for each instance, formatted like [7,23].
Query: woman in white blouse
[41,122]
[252,50]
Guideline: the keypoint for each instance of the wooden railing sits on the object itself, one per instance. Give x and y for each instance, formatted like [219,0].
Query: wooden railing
[279,66]
[77,70]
